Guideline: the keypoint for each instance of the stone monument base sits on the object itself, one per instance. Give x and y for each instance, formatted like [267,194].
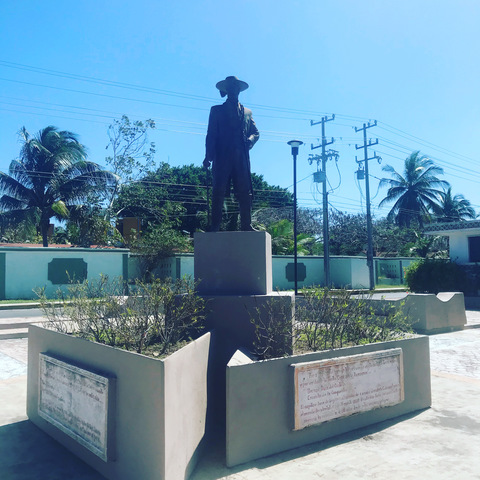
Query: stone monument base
[233,263]
[235,316]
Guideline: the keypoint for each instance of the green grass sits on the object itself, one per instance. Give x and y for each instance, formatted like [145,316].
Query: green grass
[3,302]
[393,287]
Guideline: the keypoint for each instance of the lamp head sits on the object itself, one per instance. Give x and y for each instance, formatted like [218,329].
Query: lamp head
[295,144]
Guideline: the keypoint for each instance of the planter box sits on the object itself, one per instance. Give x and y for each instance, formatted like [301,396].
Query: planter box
[264,399]
[133,416]
[443,312]
[430,313]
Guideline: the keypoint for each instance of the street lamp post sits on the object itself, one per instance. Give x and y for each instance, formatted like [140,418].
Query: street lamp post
[295,144]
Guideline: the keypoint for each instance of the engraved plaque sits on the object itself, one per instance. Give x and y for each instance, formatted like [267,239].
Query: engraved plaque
[75,401]
[338,387]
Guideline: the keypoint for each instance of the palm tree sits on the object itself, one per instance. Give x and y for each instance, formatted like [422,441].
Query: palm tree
[282,239]
[51,175]
[454,208]
[415,193]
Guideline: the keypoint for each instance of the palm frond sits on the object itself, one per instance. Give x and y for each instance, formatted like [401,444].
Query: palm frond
[416,192]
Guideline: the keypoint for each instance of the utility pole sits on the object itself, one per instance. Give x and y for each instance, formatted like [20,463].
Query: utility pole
[326,250]
[367,193]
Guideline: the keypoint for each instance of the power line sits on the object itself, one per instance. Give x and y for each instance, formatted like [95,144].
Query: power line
[183,95]
[99,81]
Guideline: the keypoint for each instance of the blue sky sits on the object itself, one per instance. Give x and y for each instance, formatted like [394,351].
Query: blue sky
[410,65]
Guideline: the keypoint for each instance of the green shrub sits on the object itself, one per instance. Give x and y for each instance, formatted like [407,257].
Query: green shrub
[325,319]
[156,318]
[434,276]
[329,319]
[273,328]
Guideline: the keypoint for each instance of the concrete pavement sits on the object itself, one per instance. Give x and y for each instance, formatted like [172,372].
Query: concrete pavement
[442,442]
[15,319]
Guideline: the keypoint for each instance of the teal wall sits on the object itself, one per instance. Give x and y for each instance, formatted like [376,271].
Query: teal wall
[2,276]
[22,270]
[345,272]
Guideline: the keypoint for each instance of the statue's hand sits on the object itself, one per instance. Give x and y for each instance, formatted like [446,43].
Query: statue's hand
[206,164]
[250,142]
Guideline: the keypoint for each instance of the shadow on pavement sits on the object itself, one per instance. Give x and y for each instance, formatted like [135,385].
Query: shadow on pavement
[28,453]
[212,466]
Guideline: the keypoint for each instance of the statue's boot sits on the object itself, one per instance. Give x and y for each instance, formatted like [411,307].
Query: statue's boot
[217,208]
[245,204]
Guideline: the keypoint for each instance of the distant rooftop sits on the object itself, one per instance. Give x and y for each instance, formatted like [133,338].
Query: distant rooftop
[53,245]
[451,226]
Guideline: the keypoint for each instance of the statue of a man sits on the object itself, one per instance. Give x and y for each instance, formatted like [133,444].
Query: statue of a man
[230,136]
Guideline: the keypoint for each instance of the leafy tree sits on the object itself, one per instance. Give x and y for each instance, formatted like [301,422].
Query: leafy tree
[391,240]
[348,237]
[87,226]
[17,230]
[269,196]
[309,220]
[132,154]
[184,191]
[158,242]
[51,175]
[453,208]
[282,239]
[414,194]
[60,236]
[166,196]
[347,233]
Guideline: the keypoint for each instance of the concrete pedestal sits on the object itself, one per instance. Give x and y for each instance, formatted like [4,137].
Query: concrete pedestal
[234,271]
[233,263]
[233,316]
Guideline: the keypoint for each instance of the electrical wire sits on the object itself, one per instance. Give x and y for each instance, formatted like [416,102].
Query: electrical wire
[271,135]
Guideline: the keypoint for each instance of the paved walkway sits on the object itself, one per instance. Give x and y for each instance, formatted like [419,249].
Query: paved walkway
[442,442]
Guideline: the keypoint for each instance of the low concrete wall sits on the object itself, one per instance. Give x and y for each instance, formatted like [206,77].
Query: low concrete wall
[172,267]
[160,405]
[436,313]
[260,404]
[345,272]
[310,271]
[391,271]
[24,269]
[430,313]
[348,272]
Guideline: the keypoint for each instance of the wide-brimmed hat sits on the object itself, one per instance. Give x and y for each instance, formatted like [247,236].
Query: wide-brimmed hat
[223,84]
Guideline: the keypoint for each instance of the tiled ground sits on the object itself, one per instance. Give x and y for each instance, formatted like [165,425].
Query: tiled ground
[9,367]
[457,353]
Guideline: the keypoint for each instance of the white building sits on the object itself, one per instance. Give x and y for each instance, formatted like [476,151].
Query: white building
[464,239]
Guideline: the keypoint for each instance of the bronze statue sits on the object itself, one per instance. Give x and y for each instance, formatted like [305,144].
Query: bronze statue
[230,136]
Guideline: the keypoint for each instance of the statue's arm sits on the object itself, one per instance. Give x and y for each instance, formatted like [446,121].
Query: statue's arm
[253,134]
[211,140]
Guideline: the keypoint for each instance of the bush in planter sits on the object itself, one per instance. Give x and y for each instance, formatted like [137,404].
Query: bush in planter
[325,320]
[330,319]
[158,317]
[434,276]
[273,329]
